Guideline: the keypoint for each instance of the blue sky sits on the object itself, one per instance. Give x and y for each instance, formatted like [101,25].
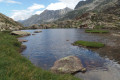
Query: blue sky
[23,9]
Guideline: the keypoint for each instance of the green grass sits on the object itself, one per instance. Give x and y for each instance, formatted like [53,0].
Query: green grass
[96,31]
[89,44]
[13,66]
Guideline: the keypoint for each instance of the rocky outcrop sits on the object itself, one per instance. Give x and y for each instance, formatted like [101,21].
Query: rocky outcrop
[68,65]
[20,33]
[7,23]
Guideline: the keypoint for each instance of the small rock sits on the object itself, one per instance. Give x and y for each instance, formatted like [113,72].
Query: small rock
[67,40]
[117,35]
[33,34]
[21,40]
[37,31]
[68,65]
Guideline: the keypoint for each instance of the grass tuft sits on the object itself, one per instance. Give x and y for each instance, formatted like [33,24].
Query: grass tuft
[96,31]
[89,44]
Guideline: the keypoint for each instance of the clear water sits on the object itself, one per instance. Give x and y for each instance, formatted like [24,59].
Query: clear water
[43,49]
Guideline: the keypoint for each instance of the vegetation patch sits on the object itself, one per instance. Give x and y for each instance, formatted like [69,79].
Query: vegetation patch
[13,66]
[89,44]
[96,31]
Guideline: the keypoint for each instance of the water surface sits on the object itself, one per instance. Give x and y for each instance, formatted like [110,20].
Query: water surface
[43,49]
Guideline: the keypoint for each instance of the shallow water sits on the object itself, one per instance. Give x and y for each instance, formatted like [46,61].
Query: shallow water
[43,49]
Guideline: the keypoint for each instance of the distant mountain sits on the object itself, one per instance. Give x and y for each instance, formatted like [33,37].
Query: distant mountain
[89,6]
[46,16]
[7,23]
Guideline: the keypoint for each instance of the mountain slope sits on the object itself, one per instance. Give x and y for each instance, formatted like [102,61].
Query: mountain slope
[88,6]
[46,16]
[7,23]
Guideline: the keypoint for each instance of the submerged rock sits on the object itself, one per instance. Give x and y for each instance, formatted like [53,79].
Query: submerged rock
[22,40]
[20,33]
[117,35]
[68,65]
[33,34]
[37,31]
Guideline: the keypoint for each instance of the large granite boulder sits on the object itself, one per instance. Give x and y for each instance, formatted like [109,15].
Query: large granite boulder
[21,33]
[68,65]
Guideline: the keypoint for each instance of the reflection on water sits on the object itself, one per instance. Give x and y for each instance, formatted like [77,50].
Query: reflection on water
[43,49]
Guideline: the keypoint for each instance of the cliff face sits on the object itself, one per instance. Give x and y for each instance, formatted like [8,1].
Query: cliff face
[46,16]
[7,23]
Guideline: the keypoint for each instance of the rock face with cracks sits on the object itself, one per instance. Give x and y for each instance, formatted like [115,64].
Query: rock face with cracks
[68,65]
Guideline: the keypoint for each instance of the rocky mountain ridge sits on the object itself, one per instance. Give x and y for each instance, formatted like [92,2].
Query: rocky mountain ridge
[46,16]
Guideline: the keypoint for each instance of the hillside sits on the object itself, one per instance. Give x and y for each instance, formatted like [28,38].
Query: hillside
[46,16]
[7,23]
[88,6]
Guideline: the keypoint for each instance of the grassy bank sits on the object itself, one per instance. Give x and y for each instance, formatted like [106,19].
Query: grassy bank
[96,31]
[13,66]
[89,44]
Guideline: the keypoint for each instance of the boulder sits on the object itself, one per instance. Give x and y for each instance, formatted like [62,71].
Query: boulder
[37,31]
[20,33]
[68,65]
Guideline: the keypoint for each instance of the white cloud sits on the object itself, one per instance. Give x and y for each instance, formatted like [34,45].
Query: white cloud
[24,14]
[39,12]
[1,0]
[36,6]
[10,1]
[62,4]
[56,6]
[70,3]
